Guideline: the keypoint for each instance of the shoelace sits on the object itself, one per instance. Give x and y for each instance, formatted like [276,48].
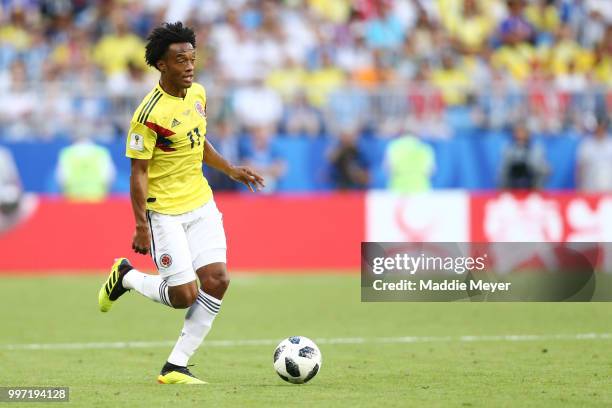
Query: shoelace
[185,370]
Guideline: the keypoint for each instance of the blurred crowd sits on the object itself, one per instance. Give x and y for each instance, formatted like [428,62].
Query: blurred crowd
[312,68]
[386,64]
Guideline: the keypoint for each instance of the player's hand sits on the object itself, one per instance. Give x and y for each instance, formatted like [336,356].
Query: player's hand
[247,176]
[142,240]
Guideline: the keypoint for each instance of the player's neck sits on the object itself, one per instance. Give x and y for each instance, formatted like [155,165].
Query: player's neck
[171,89]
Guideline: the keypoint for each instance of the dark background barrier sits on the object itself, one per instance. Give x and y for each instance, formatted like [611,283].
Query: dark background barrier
[469,160]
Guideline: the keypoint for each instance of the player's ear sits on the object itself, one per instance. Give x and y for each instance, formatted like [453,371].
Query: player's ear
[161,65]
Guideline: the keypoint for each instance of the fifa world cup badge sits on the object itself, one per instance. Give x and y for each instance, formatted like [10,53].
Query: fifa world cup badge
[136,142]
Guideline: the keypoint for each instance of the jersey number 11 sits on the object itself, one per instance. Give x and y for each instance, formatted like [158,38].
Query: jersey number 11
[190,134]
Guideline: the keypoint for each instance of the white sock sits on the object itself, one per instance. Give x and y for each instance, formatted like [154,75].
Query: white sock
[151,286]
[198,321]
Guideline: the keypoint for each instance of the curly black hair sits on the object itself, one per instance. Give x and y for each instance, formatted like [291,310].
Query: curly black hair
[163,36]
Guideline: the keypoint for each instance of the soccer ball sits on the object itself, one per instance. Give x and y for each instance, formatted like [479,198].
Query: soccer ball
[297,359]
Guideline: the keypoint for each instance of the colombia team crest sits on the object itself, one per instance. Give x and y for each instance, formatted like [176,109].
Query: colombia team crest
[201,109]
[165,260]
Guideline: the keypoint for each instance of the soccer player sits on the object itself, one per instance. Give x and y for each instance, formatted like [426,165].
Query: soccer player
[177,220]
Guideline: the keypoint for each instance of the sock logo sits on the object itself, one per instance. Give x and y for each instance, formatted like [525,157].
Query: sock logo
[165,260]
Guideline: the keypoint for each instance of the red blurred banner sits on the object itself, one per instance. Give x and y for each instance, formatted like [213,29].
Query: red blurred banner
[305,232]
[263,232]
[541,217]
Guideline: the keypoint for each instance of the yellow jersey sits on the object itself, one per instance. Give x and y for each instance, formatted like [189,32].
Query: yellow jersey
[170,132]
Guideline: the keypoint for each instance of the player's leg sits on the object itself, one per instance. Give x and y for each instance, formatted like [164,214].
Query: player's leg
[175,286]
[198,322]
[176,282]
[207,242]
[154,287]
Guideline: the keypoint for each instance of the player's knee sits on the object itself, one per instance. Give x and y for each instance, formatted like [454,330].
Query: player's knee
[183,299]
[216,284]
[221,281]
[214,279]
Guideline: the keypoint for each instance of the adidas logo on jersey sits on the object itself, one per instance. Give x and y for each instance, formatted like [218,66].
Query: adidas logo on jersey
[175,123]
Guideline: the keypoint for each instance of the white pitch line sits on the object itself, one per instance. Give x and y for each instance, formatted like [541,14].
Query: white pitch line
[340,340]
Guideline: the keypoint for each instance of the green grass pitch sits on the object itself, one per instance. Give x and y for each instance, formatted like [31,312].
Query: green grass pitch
[436,370]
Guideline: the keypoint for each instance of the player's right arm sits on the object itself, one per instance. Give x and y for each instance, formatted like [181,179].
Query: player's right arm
[139,147]
[139,179]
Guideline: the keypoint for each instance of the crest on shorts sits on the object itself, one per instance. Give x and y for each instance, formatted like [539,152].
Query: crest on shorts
[201,109]
[165,260]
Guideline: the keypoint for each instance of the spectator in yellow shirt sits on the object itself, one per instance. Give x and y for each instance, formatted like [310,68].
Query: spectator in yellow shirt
[515,58]
[113,52]
[15,34]
[75,52]
[452,81]
[602,59]
[287,80]
[566,50]
[543,15]
[470,29]
[321,82]
[336,11]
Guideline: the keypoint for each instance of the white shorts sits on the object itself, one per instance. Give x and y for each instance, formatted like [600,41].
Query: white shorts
[181,244]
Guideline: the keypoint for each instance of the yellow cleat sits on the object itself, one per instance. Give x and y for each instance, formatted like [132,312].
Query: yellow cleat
[113,287]
[172,374]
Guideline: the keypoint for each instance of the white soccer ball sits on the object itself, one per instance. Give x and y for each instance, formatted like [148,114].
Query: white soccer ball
[297,359]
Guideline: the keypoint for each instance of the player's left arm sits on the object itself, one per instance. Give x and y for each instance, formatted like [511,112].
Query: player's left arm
[242,174]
